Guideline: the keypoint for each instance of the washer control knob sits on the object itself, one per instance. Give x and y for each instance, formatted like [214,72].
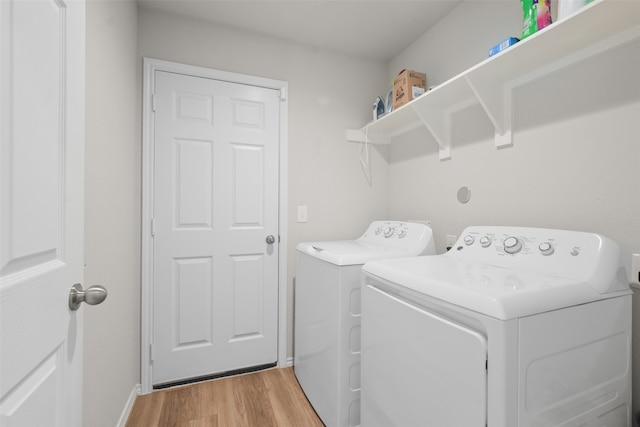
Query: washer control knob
[402,232]
[378,230]
[485,241]
[546,248]
[388,232]
[512,245]
[469,239]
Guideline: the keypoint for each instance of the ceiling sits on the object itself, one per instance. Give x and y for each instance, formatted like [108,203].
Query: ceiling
[374,29]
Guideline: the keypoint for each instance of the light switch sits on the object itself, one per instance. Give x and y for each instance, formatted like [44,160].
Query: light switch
[303,215]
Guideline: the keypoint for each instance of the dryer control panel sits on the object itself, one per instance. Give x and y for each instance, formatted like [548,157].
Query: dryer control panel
[561,253]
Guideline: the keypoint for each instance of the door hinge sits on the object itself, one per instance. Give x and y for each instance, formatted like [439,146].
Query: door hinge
[153,102]
[153,227]
[151,358]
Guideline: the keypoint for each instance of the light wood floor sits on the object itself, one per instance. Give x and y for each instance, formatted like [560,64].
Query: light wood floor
[266,398]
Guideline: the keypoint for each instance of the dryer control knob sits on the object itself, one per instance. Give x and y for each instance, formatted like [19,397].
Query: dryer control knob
[469,239]
[388,232]
[402,232]
[512,245]
[546,248]
[485,241]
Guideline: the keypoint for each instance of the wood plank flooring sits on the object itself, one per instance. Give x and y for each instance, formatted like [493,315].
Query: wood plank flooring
[267,398]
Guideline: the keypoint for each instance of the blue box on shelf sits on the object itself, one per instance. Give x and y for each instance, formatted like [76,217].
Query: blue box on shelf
[510,41]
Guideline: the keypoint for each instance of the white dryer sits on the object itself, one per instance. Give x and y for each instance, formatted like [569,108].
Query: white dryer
[512,327]
[327,313]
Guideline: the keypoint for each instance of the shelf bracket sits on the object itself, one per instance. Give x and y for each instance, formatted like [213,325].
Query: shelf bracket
[358,135]
[497,101]
[438,122]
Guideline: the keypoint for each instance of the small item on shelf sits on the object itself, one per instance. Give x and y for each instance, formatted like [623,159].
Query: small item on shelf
[544,13]
[503,45]
[569,7]
[408,85]
[378,108]
[389,101]
[536,16]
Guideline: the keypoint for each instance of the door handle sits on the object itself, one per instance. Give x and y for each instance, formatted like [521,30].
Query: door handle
[271,239]
[92,296]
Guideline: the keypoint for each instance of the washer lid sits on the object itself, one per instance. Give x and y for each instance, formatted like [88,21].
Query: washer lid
[350,252]
[495,291]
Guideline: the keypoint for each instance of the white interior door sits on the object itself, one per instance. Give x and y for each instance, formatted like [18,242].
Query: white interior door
[215,274]
[42,125]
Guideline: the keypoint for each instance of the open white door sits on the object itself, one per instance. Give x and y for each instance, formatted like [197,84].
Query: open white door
[41,219]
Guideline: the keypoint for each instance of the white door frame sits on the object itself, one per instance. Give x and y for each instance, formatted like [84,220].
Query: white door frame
[146,306]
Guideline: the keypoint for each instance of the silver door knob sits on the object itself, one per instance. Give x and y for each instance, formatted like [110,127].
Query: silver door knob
[271,239]
[92,296]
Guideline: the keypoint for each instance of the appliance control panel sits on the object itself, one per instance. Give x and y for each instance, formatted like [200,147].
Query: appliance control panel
[396,233]
[547,251]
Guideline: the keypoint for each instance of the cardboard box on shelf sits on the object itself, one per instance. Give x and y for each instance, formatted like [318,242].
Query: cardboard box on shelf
[409,84]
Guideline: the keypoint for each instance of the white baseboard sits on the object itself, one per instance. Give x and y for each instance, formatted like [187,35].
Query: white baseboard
[127,409]
[285,363]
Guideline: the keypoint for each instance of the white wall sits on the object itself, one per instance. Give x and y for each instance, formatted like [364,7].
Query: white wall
[328,93]
[112,212]
[575,160]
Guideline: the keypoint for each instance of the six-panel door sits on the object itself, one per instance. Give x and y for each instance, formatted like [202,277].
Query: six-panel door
[215,204]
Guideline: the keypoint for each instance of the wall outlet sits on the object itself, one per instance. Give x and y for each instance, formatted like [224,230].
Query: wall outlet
[303,214]
[635,270]
[451,240]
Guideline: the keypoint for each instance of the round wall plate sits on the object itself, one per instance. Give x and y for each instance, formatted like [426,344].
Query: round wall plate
[464,194]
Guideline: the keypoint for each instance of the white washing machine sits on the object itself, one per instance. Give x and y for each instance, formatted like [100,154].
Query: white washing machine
[327,313]
[511,327]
